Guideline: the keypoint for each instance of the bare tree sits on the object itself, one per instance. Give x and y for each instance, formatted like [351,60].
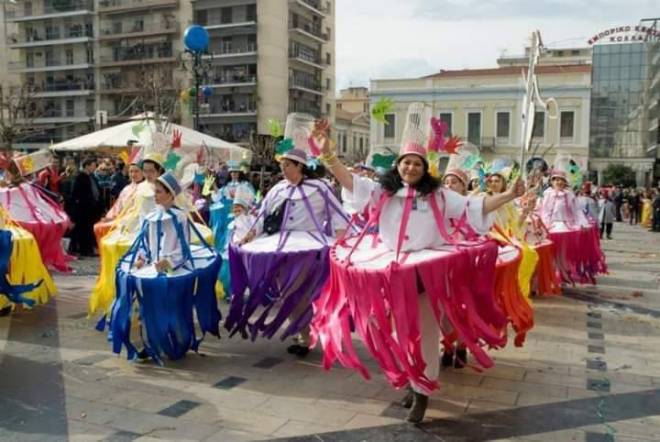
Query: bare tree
[18,110]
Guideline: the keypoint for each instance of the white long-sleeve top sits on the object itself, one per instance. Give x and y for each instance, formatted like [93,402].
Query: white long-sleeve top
[325,207]
[588,206]
[162,239]
[560,206]
[422,230]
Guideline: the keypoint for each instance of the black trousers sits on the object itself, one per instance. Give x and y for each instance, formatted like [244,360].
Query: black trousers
[607,228]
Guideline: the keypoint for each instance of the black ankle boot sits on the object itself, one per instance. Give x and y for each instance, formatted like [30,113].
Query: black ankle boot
[418,410]
[447,358]
[407,400]
[298,350]
[461,358]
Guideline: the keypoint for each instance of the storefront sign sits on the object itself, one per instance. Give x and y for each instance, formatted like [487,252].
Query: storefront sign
[623,34]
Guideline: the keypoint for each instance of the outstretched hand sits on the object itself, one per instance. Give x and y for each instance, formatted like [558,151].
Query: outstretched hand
[320,133]
[517,189]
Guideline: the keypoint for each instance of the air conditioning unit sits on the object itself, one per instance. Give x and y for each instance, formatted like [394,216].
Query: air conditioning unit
[205,108]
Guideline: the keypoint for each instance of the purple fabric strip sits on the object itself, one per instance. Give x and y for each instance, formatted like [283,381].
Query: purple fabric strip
[289,281]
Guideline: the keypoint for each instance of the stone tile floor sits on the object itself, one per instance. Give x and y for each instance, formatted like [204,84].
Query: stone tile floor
[589,371]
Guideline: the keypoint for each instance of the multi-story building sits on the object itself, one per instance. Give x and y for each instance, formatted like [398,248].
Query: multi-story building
[483,107]
[268,58]
[352,124]
[137,49]
[52,50]
[625,109]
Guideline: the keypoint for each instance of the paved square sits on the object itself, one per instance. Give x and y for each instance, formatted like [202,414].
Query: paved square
[589,371]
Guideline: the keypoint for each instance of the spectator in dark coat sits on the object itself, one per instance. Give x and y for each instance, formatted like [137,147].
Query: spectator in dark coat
[88,209]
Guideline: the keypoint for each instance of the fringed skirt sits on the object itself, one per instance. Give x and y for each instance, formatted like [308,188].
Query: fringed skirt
[377,296]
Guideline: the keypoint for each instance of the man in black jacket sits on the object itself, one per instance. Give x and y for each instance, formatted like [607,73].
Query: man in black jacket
[87,210]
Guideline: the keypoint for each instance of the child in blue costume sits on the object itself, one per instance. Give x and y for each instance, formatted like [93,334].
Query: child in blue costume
[168,277]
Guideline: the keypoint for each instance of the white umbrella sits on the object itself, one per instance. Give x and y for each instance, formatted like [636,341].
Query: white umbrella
[140,130]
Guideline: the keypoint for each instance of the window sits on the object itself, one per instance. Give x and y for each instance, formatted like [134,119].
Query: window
[328,58]
[29,60]
[339,105]
[365,107]
[390,121]
[251,12]
[474,128]
[345,142]
[328,83]
[201,17]
[69,56]
[354,143]
[70,108]
[539,125]
[446,117]
[361,143]
[225,15]
[503,125]
[328,109]
[567,124]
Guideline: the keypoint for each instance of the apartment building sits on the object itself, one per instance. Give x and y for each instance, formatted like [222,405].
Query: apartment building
[268,58]
[352,124]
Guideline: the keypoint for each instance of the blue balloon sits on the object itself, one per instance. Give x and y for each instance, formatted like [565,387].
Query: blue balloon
[196,38]
[207,91]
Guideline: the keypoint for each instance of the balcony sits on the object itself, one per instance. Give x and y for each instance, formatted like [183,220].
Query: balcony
[305,84]
[129,88]
[228,80]
[229,51]
[58,115]
[247,23]
[139,54]
[64,88]
[138,31]
[305,56]
[310,31]
[49,65]
[314,6]
[65,9]
[120,6]
[227,109]
[75,34]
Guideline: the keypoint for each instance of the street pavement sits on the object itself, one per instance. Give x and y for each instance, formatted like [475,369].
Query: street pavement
[589,371]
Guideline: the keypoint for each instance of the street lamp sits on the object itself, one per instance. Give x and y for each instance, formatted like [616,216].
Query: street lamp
[196,43]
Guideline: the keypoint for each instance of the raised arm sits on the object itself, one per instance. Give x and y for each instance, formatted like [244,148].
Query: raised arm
[494,202]
[329,155]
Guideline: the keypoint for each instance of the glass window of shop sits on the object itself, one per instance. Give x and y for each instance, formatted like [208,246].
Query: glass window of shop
[624,82]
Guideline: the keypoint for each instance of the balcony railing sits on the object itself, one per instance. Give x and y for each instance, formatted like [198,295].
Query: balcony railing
[106,6]
[233,79]
[66,85]
[53,63]
[139,30]
[304,55]
[36,37]
[50,9]
[230,108]
[309,29]
[138,53]
[315,4]
[233,50]
[305,82]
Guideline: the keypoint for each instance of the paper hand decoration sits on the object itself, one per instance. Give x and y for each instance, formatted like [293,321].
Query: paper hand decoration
[382,107]
[176,139]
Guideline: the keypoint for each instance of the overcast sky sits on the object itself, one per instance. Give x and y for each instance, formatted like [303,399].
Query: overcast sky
[408,38]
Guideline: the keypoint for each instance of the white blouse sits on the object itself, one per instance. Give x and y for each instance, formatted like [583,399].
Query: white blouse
[422,230]
[321,199]
[561,207]
[162,239]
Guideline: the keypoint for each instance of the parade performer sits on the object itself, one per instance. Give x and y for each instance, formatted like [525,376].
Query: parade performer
[124,200]
[517,261]
[35,211]
[155,159]
[397,288]
[578,255]
[587,203]
[241,221]
[283,262]
[222,209]
[23,277]
[168,277]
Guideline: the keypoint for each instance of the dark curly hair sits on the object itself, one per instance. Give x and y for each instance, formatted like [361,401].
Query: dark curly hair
[391,181]
[241,175]
[309,173]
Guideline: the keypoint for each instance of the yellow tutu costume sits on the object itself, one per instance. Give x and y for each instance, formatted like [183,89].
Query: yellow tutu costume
[25,264]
